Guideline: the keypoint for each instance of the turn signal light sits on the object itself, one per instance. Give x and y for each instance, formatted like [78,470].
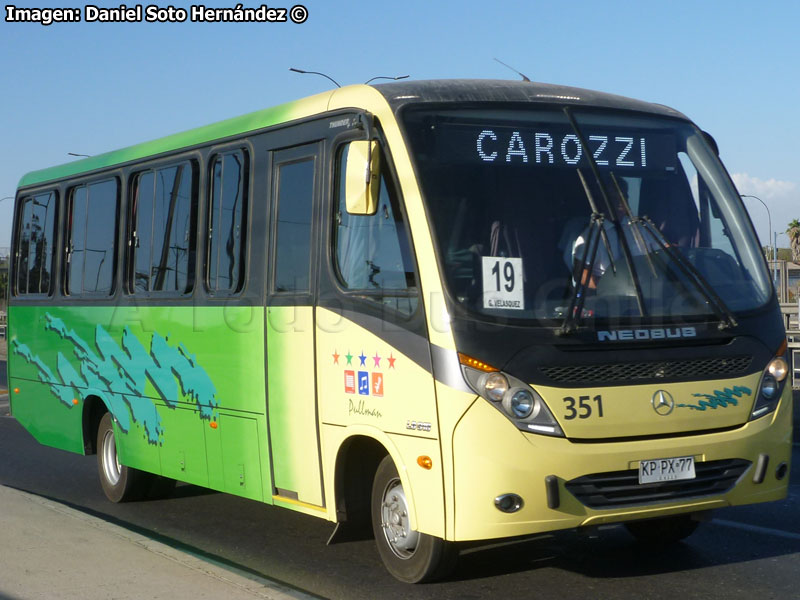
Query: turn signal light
[425,462]
[468,361]
[213,424]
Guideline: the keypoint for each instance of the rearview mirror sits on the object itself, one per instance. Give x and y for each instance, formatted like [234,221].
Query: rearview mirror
[362,184]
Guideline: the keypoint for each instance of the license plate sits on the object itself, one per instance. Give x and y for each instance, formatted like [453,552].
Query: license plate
[666,469]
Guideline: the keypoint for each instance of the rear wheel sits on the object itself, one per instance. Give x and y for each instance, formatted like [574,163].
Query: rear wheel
[409,555]
[663,531]
[120,483]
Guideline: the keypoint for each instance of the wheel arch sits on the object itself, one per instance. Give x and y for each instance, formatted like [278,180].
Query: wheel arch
[94,408]
[357,460]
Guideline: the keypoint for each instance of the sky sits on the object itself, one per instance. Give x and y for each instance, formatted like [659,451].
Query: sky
[87,88]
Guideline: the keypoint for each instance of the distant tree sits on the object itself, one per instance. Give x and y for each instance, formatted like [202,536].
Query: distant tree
[794,239]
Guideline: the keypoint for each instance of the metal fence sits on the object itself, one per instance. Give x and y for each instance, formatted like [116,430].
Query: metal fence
[791,320]
[786,277]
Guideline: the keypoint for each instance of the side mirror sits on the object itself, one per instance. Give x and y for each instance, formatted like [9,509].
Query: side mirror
[362,184]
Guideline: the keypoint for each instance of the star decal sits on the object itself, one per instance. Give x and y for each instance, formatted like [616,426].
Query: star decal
[349,358]
[391,360]
[377,360]
[363,358]
[335,357]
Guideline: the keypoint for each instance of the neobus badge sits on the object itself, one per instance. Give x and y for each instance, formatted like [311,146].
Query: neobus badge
[626,335]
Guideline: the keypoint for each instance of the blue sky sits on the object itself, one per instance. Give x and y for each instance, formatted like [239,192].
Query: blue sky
[733,67]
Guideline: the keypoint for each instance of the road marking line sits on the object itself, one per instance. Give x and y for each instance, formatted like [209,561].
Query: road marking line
[756,529]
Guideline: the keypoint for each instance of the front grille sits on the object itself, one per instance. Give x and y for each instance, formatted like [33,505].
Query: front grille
[673,370]
[622,488]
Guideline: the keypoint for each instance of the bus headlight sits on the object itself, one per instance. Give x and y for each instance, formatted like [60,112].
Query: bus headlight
[494,385]
[528,410]
[519,403]
[778,368]
[771,387]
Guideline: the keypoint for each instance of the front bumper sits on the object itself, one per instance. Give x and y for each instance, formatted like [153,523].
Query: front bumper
[491,458]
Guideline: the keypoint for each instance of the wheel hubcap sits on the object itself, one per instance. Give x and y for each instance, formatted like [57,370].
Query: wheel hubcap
[111,466]
[395,522]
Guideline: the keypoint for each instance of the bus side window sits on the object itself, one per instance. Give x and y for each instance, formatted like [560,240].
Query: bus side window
[227,215]
[163,240]
[91,238]
[35,239]
[295,200]
[373,252]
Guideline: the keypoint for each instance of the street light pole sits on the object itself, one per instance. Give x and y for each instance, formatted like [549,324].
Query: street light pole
[773,250]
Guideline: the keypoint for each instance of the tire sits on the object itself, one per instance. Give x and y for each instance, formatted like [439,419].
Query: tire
[120,483]
[408,555]
[664,531]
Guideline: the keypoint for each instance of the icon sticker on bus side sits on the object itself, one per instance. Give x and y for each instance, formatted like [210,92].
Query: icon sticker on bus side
[363,383]
[349,382]
[377,384]
[502,283]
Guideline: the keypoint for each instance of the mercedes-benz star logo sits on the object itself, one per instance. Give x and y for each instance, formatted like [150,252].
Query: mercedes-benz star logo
[662,403]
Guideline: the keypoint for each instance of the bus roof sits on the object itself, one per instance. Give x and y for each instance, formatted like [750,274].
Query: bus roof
[397,94]
[502,90]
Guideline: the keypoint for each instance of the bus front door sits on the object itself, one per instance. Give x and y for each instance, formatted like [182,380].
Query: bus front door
[291,377]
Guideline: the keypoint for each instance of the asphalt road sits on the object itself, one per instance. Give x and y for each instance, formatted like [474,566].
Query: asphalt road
[746,552]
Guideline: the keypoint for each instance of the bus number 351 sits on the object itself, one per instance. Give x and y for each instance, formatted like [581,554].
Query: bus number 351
[584,408]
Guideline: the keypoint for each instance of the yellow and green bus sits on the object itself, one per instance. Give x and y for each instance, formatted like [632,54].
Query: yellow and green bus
[451,310]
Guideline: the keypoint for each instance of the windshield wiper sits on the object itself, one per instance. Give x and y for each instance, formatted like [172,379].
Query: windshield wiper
[701,284]
[576,302]
[582,271]
[599,217]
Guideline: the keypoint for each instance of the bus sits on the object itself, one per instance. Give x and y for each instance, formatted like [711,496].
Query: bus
[438,311]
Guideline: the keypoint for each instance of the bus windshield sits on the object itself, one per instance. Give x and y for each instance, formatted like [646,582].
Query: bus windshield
[514,200]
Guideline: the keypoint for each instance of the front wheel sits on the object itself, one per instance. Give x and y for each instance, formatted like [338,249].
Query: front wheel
[663,531]
[120,483]
[408,555]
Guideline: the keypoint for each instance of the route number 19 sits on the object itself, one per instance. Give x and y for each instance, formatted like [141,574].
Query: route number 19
[508,275]
[503,283]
